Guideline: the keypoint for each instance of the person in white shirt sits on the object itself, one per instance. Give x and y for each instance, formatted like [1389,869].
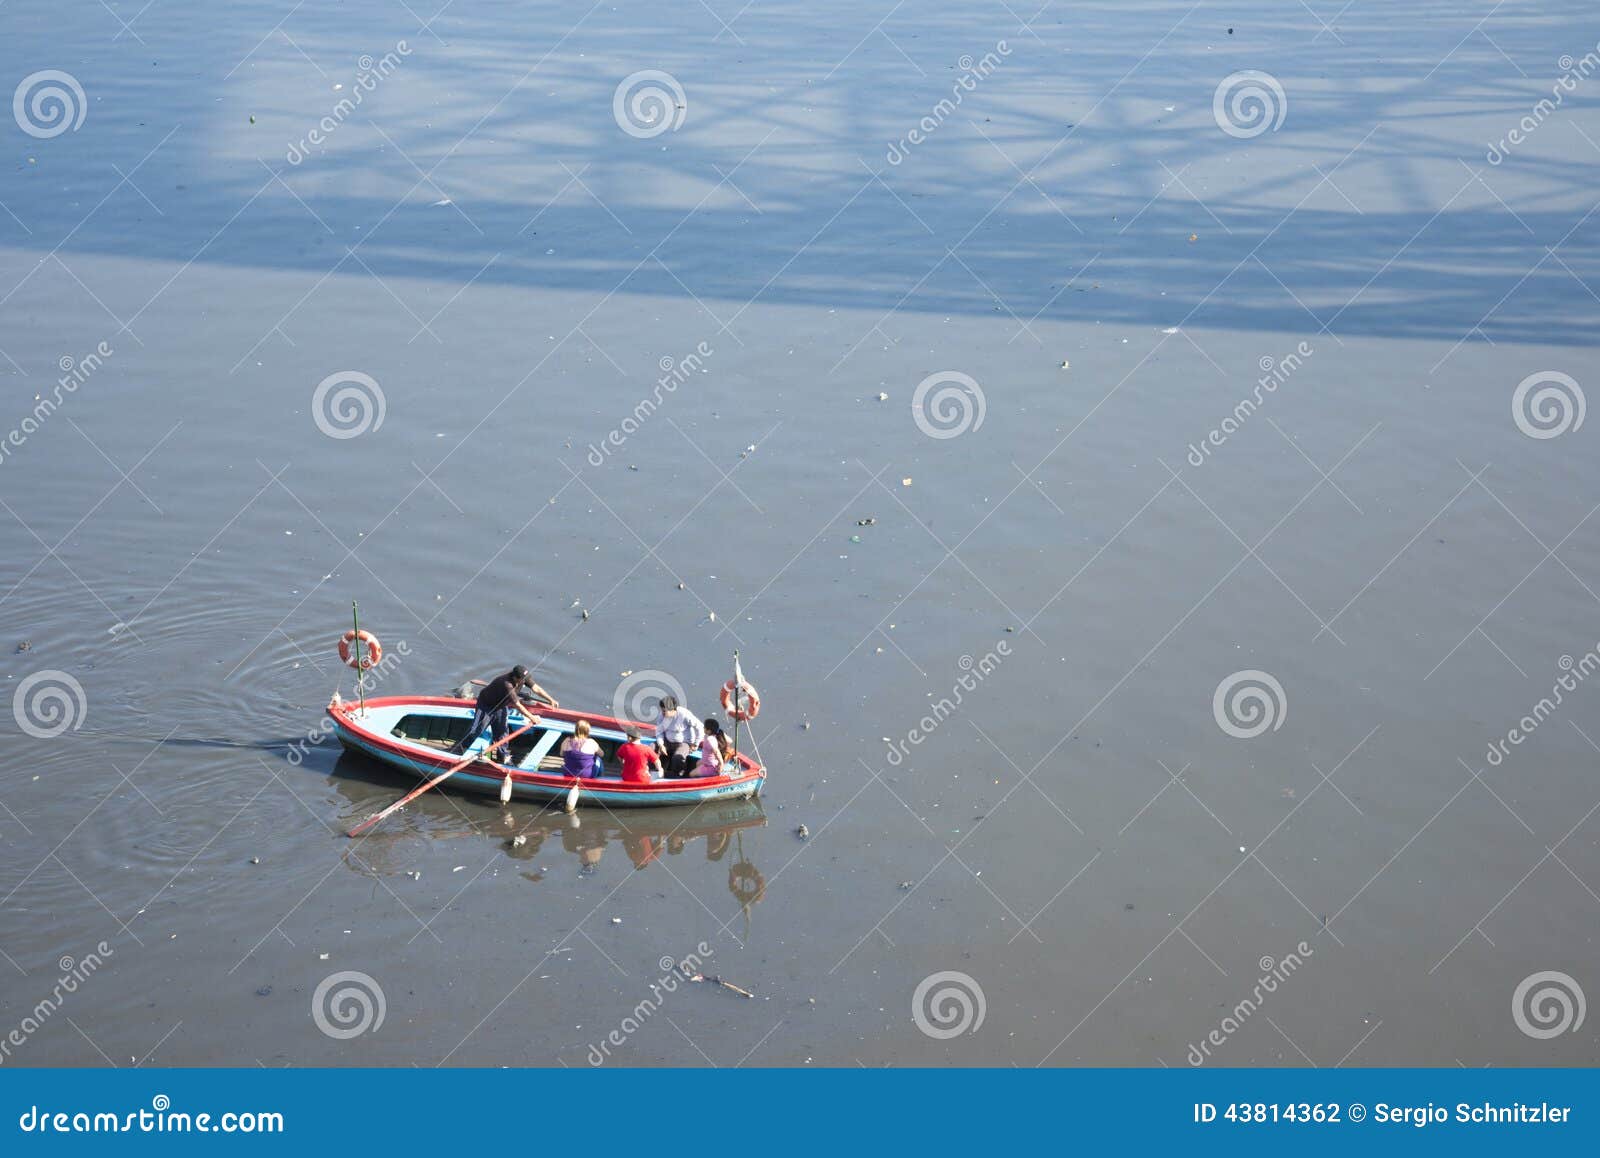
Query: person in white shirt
[678,733]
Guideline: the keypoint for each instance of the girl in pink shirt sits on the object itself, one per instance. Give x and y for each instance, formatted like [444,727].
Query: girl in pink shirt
[710,751]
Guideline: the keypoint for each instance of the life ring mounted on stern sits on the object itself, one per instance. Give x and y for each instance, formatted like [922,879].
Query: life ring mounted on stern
[748,703]
[369,655]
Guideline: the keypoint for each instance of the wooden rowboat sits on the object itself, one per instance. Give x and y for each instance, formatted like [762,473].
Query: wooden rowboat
[415,734]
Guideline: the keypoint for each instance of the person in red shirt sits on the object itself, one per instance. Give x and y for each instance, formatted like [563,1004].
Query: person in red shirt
[637,760]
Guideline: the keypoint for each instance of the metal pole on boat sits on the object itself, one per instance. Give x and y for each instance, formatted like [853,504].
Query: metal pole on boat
[735,711]
[361,659]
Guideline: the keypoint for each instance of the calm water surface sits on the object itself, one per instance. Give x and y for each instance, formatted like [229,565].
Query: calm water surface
[990,660]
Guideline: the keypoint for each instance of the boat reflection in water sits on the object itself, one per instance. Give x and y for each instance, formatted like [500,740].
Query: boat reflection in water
[526,832]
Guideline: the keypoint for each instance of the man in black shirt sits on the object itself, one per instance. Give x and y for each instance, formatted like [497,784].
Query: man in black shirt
[495,703]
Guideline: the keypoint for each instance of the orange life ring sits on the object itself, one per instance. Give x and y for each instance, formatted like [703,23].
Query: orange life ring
[747,695]
[371,650]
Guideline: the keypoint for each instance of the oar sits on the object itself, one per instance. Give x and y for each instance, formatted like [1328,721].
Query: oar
[437,780]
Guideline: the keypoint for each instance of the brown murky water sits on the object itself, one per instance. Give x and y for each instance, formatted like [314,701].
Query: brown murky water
[996,659]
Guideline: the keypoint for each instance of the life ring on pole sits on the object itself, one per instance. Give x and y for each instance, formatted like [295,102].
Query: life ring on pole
[748,705]
[369,655]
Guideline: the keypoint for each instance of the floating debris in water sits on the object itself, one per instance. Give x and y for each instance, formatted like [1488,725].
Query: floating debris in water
[698,978]
[24,646]
[803,832]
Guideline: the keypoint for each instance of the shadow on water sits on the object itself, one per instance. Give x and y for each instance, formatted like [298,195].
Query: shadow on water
[524,832]
[1375,250]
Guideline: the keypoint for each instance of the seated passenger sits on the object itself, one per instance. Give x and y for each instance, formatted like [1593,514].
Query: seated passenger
[711,757]
[677,735]
[580,755]
[636,759]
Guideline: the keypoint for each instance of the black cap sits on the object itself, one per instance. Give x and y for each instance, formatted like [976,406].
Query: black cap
[519,672]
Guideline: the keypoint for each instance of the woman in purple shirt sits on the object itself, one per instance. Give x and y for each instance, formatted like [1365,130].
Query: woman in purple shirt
[580,755]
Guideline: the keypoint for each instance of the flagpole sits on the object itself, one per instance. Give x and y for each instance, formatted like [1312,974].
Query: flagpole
[361,671]
[735,712]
